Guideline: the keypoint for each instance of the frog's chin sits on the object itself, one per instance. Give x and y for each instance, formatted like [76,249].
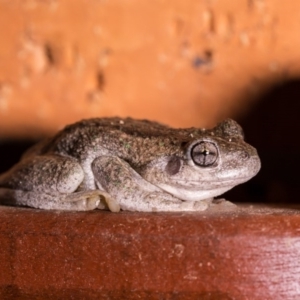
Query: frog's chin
[194,195]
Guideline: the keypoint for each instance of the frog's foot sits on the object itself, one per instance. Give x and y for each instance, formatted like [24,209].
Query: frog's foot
[222,205]
[78,201]
[89,200]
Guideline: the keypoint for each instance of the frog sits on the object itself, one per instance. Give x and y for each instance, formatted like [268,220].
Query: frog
[128,164]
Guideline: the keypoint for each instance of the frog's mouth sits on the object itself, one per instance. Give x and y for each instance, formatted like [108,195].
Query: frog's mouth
[211,184]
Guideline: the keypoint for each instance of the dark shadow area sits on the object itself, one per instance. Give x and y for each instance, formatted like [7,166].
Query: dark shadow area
[11,151]
[273,127]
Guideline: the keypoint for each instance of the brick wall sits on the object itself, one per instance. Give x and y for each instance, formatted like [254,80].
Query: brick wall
[180,62]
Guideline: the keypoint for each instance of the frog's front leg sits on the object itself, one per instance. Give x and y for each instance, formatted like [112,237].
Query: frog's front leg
[50,182]
[134,193]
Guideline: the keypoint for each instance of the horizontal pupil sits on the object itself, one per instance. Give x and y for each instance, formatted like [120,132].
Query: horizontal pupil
[204,153]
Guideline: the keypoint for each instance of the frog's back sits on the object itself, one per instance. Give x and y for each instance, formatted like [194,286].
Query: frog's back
[96,127]
[136,141]
[110,133]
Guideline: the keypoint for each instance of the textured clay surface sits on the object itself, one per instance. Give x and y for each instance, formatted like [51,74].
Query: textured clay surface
[246,253]
[180,62]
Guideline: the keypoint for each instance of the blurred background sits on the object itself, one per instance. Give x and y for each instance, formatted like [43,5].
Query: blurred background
[182,62]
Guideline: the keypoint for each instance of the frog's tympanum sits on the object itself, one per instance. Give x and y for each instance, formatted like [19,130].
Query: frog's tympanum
[128,164]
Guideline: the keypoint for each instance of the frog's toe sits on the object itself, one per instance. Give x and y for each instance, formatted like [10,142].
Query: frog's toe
[89,203]
[93,202]
[109,202]
[200,205]
[89,200]
[102,200]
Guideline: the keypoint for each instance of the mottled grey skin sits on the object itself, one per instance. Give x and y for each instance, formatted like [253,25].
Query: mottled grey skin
[130,165]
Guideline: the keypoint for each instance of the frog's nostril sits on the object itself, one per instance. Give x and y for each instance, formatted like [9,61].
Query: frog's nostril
[244,155]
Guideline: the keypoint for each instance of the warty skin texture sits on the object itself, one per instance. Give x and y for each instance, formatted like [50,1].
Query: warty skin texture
[130,164]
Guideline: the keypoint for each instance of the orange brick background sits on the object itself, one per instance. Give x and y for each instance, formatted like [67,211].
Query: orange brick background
[182,62]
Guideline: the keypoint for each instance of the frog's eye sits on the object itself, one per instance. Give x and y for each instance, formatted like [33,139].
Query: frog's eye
[204,154]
